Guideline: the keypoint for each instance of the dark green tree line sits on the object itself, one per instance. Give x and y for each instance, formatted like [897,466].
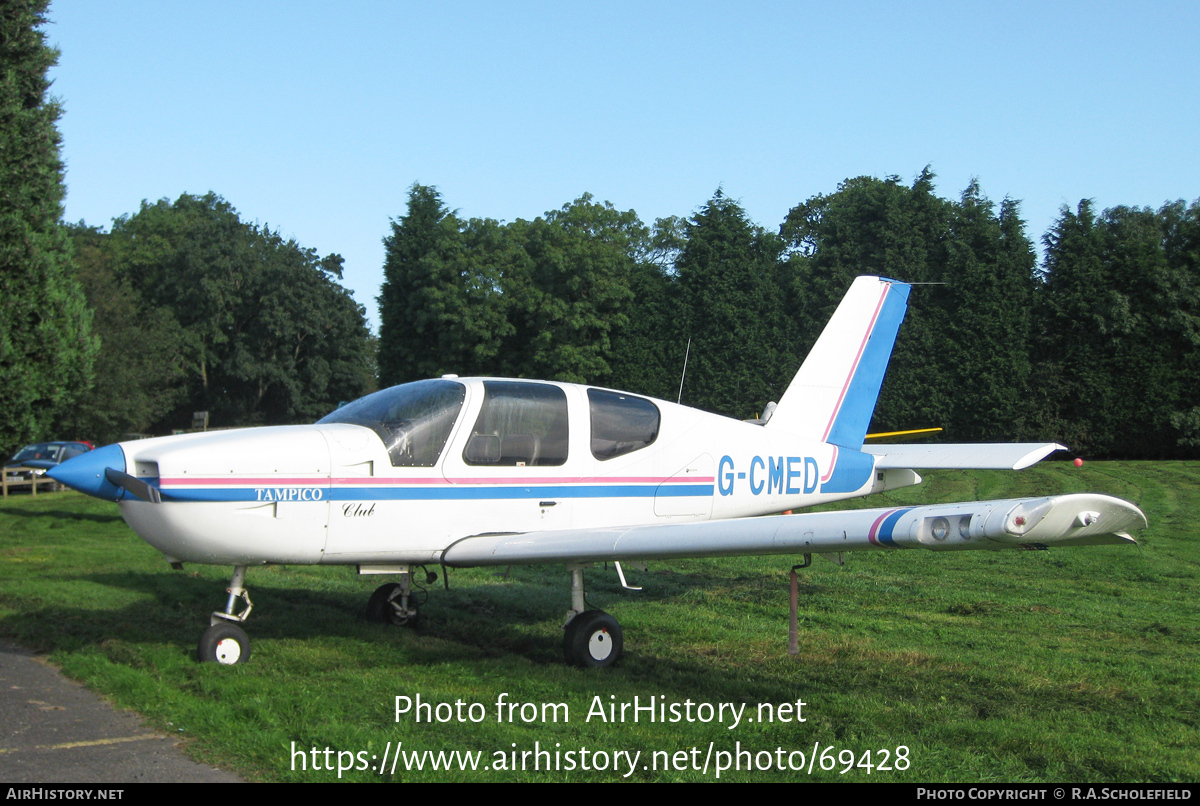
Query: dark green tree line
[537,298]
[1096,348]
[1118,330]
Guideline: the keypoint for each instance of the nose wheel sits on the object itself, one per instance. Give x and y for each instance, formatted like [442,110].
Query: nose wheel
[224,641]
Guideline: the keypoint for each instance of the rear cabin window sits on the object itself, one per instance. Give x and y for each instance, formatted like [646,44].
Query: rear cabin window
[621,423]
[414,420]
[520,424]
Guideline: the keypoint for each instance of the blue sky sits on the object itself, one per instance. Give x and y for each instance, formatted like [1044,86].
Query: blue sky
[315,117]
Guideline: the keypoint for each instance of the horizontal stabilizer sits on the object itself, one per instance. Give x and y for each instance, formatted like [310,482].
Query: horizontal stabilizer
[1077,519]
[1002,456]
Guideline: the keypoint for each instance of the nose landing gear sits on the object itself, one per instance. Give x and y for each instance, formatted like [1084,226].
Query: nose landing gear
[224,641]
[393,604]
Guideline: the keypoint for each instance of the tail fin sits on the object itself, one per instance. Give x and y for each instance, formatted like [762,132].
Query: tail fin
[833,395]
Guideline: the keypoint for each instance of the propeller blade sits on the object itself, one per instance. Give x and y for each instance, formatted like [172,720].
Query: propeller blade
[133,485]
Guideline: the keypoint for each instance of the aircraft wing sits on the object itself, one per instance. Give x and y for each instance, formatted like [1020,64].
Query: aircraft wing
[1077,519]
[1004,456]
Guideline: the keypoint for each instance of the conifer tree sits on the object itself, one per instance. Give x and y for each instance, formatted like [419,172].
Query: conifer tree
[441,308]
[730,308]
[46,347]
[988,277]
[1071,332]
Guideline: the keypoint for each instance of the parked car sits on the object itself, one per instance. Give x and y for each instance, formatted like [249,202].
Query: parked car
[41,456]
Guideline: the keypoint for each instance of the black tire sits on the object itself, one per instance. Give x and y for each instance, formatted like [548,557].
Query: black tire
[569,630]
[593,639]
[224,643]
[381,610]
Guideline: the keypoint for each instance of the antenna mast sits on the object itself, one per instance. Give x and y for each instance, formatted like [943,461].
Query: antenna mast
[684,373]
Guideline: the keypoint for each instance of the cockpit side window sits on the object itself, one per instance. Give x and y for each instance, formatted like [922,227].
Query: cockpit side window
[414,420]
[520,424]
[621,423]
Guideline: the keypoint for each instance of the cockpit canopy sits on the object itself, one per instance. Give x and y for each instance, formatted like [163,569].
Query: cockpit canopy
[414,420]
[520,423]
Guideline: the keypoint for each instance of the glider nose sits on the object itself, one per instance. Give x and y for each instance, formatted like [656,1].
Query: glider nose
[87,472]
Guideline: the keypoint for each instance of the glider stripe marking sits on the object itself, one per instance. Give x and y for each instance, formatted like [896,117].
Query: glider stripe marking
[880,533]
[321,481]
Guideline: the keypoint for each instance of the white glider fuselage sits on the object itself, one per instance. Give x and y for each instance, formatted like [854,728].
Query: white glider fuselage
[329,493]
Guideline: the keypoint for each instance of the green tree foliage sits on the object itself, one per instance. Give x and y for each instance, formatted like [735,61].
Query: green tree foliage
[1119,330]
[1181,243]
[139,367]
[961,358]
[731,307]
[576,290]
[881,227]
[1098,349]
[441,307]
[46,347]
[987,298]
[534,298]
[269,336]
[648,352]
[1071,327]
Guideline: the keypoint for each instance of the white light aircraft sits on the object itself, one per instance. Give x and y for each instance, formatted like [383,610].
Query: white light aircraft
[464,472]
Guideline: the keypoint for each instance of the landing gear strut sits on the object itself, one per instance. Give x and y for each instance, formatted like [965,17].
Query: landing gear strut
[224,641]
[394,603]
[591,638]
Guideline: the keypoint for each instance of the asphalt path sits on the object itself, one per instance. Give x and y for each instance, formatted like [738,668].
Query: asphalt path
[53,730]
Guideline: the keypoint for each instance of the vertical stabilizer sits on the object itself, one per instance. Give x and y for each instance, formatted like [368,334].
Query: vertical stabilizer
[833,395]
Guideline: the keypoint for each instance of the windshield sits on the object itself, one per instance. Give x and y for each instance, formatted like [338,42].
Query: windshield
[41,451]
[414,420]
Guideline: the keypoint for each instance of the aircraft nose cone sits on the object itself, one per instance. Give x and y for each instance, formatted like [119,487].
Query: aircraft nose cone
[85,472]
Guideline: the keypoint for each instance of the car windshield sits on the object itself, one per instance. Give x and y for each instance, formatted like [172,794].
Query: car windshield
[414,420]
[40,451]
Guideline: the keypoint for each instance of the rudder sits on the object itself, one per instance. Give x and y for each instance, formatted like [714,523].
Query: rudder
[833,395]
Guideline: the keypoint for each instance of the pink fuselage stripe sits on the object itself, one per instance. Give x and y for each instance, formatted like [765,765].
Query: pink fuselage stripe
[366,481]
[857,358]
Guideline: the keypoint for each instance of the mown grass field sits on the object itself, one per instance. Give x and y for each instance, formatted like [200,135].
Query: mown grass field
[1067,665]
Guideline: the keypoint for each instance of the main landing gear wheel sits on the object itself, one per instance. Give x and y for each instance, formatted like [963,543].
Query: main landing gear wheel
[224,643]
[593,639]
[384,606]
